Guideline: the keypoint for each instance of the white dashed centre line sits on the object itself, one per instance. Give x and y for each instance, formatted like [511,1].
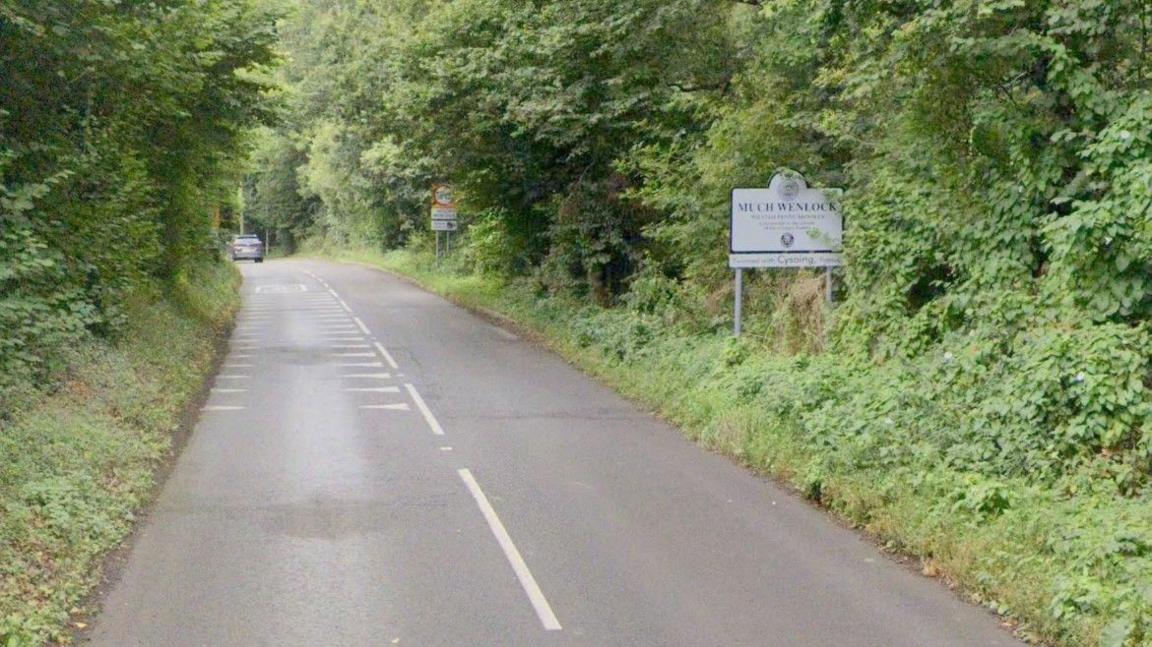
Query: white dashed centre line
[423,407]
[386,354]
[535,595]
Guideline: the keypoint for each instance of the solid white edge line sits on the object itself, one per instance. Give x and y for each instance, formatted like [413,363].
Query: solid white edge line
[363,328]
[431,419]
[527,582]
[345,306]
[386,354]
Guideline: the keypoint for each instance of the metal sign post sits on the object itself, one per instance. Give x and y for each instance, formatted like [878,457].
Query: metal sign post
[739,314]
[443,218]
[786,224]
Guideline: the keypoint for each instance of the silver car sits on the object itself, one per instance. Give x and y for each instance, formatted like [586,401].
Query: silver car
[247,247]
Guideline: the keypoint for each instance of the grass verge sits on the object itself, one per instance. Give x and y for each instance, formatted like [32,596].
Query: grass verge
[1069,564]
[75,466]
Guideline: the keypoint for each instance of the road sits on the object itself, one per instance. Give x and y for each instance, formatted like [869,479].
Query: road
[375,466]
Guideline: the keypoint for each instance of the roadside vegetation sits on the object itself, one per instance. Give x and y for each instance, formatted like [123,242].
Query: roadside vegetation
[79,464]
[978,396]
[123,133]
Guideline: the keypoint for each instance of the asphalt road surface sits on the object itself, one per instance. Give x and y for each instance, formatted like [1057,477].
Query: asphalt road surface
[378,467]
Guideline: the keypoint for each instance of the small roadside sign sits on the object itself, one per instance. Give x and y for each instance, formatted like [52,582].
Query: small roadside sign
[443,216]
[443,213]
[442,196]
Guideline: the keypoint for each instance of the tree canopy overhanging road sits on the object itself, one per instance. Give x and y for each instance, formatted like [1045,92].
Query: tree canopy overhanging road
[894,255]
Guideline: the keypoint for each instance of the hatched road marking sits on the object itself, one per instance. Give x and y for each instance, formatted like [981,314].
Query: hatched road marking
[374,389]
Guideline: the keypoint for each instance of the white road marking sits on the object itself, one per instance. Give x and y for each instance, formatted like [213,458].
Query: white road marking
[374,389]
[239,365]
[349,346]
[445,449]
[218,407]
[281,289]
[241,356]
[363,364]
[535,595]
[220,390]
[372,376]
[345,306]
[403,406]
[363,328]
[428,417]
[352,354]
[387,355]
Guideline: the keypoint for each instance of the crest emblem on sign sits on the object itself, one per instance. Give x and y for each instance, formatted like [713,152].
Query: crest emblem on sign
[789,189]
[787,240]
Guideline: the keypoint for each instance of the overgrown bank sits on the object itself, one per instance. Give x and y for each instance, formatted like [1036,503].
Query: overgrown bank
[78,464]
[882,445]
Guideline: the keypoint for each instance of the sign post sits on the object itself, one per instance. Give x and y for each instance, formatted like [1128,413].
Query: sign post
[787,224]
[443,216]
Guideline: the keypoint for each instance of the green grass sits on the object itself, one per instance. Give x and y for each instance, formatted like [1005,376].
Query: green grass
[1069,562]
[76,466]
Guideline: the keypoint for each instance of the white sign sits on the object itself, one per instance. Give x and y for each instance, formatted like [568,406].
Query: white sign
[443,225]
[443,213]
[786,225]
[749,261]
